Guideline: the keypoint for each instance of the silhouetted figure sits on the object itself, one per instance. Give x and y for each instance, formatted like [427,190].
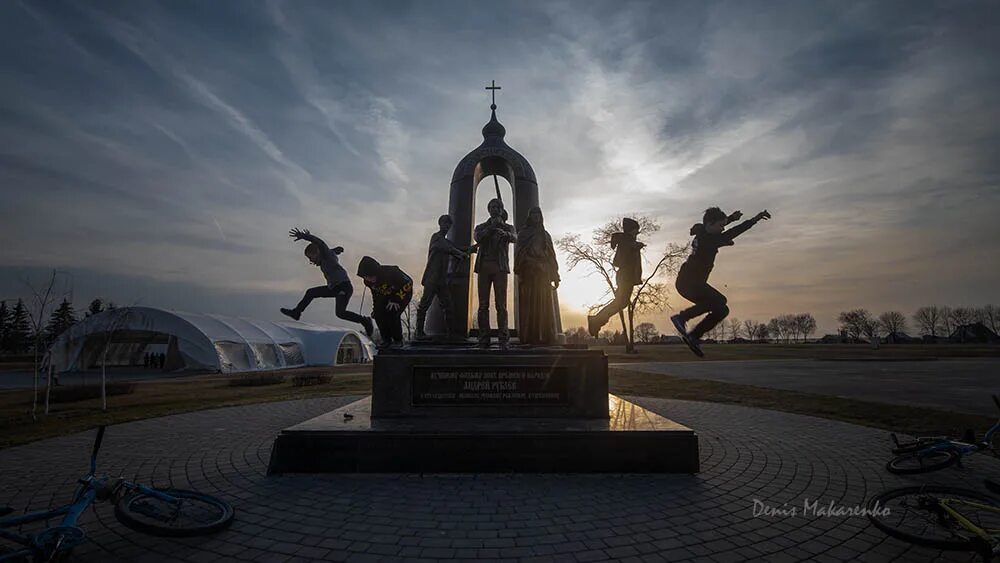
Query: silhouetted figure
[145,360]
[161,360]
[492,268]
[391,291]
[538,274]
[692,279]
[628,261]
[338,284]
[440,251]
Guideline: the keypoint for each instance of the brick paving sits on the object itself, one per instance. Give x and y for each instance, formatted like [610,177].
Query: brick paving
[746,454]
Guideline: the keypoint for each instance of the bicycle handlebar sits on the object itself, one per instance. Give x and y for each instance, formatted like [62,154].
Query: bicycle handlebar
[97,447]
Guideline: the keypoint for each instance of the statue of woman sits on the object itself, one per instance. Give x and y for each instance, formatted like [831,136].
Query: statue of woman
[538,276]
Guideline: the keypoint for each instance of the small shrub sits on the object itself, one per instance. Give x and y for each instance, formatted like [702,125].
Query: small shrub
[310,379]
[256,380]
[74,393]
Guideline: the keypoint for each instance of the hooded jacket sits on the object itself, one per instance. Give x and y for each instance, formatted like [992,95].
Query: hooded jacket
[706,245]
[628,258]
[391,284]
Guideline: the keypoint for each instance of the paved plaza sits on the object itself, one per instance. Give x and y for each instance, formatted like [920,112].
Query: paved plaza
[960,385]
[746,454]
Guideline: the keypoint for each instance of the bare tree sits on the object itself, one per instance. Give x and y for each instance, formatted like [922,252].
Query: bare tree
[928,319]
[892,323]
[947,322]
[650,295]
[763,332]
[409,316]
[805,324]
[117,319]
[856,323]
[961,316]
[646,332]
[735,328]
[43,298]
[991,317]
[775,329]
[750,329]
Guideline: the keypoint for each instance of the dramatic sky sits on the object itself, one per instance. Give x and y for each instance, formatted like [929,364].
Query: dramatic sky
[158,153]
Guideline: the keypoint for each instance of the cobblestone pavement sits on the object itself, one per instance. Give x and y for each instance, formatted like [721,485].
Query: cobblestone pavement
[746,454]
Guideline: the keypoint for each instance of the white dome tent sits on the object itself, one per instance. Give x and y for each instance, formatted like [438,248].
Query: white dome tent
[199,341]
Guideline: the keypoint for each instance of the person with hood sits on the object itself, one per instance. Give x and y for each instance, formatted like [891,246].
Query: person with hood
[628,261]
[440,251]
[692,280]
[391,291]
[338,284]
[492,268]
[538,275]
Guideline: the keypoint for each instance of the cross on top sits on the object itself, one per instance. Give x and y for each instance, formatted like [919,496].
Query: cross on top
[493,93]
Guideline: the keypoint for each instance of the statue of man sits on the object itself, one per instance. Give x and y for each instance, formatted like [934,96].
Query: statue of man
[494,238]
[440,251]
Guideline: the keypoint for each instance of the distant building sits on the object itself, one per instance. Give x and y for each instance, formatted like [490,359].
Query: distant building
[977,333]
[203,342]
[834,339]
[670,339]
[900,338]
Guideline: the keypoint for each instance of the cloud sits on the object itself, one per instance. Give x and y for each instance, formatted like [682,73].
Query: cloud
[178,143]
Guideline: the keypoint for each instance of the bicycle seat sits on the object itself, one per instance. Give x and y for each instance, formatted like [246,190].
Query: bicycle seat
[5,510]
[992,486]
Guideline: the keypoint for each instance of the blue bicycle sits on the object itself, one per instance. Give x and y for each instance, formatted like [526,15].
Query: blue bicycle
[161,512]
[927,454]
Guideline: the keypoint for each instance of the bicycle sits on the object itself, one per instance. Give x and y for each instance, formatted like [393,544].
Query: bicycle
[161,512]
[940,517]
[931,453]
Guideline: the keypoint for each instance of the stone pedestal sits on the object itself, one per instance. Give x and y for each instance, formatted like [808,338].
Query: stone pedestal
[442,409]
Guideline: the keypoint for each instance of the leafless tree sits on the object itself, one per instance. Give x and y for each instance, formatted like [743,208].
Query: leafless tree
[856,323]
[409,316]
[892,322]
[735,328]
[646,332]
[928,319]
[947,322]
[43,297]
[762,332]
[990,316]
[117,319]
[750,329]
[650,295]
[805,325]
[961,316]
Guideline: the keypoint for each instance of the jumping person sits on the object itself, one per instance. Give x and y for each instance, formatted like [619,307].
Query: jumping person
[628,260]
[391,290]
[440,251]
[692,279]
[338,284]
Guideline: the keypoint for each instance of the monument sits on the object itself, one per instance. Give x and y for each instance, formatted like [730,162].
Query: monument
[451,403]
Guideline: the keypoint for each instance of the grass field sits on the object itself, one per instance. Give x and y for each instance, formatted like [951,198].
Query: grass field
[159,398]
[721,352]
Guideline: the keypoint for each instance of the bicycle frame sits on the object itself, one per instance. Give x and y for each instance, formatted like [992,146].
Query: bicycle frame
[95,488]
[986,536]
[964,448]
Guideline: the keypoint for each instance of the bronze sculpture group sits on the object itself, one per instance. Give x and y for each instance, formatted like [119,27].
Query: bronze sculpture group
[535,266]
[537,271]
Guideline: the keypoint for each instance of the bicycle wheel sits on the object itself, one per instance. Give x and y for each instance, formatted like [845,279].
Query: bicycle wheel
[914,515]
[912,463]
[196,515]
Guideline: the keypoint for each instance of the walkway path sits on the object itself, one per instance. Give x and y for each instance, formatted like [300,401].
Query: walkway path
[746,454]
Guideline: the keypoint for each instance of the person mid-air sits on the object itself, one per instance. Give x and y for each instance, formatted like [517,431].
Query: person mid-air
[338,283]
[692,279]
